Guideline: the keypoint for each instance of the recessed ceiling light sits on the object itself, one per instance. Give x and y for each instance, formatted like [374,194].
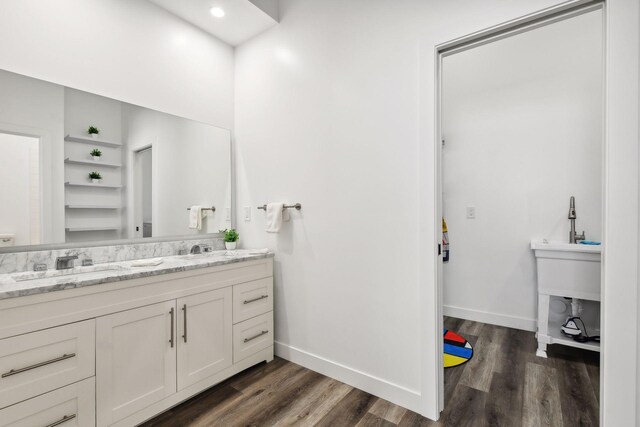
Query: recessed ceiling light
[217,12]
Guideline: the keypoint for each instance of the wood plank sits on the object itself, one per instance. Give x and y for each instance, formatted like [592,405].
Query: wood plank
[478,372]
[541,397]
[470,327]
[268,409]
[190,412]
[387,411]
[258,398]
[577,398]
[466,408]
[412,419]
[371,420]
[505,400]
[249,376]
[349,411]
[311,409]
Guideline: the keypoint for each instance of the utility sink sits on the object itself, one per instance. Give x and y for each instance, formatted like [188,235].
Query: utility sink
[37,275]
[568,269]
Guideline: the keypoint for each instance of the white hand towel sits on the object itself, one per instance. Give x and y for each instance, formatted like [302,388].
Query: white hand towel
[195,217]
[258,251]
[276,214]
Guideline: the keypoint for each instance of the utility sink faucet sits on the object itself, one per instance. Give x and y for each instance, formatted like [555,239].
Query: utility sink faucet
[573,236]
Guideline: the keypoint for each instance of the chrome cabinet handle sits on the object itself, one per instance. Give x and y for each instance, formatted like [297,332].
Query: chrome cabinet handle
[171,312]
[38,365]
[62,420]
[255,299]
[256,336]
[184,309]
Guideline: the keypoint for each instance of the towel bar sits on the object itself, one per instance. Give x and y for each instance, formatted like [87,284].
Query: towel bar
[212,209]
[297,207]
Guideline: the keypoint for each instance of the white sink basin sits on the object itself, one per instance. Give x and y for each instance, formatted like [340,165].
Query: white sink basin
[570,270]
[565,247]
[36,275]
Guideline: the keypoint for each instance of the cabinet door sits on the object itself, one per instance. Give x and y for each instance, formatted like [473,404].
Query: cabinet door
[205,345]
[135,360]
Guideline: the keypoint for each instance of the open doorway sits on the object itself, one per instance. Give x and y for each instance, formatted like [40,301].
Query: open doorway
[143,199]
[21,209]
[522,131]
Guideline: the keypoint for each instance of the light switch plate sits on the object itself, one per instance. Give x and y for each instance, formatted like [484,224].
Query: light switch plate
[228,214]
[471,212]
[247,213]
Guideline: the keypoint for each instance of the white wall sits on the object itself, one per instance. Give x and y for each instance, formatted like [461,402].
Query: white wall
[20,188]
[333,109]
[190,166]
[36,108]
[522,119]
[132,51]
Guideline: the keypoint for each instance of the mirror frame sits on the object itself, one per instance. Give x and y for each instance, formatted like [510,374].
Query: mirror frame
[121,242]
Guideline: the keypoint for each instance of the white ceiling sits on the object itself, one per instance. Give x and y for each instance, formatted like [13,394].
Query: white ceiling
[242,20]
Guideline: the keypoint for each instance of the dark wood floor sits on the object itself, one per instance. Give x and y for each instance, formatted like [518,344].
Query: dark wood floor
[505,384]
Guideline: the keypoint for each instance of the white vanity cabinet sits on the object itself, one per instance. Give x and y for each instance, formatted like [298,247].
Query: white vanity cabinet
[141,345]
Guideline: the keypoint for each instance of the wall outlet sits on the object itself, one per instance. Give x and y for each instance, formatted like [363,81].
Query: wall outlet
[247,213]
[471,212]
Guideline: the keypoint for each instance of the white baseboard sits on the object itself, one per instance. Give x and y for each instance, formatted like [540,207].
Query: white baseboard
[492,318]
[394,393]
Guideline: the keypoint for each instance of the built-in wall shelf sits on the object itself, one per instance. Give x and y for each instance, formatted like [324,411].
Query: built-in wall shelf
[74,229]
[91,207]
[90,184]
[91,162]
[93,141]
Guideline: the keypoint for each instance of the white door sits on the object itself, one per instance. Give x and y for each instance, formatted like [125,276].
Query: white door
[135,360]
[204,342]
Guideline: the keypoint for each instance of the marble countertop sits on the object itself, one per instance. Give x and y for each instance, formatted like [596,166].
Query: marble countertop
[31,283]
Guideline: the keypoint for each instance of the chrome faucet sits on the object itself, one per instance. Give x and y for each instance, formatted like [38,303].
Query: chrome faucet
[573,236]
[65,262]
[195,249]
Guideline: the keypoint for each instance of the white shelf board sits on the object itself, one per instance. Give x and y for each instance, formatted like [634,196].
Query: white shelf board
[71,229]
[556,337]
[90,184]
[93,141]
[91,162]
[91,207]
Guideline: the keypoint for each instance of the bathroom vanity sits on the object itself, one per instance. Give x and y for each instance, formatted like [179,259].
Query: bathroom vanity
[116,345]
[565,271]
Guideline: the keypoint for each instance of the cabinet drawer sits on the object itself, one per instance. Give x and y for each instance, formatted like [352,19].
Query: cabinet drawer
[252,336]
[38,362]
[252,299]
[73,405]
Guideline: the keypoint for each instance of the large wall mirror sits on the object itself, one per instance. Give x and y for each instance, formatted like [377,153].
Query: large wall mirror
[136,178]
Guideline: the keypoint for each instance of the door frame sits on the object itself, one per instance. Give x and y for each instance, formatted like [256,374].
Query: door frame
[619,303]
[136,200]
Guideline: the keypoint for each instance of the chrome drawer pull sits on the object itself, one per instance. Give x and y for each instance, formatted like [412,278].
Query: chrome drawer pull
[172,313]
[184,308]
[62,420]
[38,365]
[256,336]
[249,301]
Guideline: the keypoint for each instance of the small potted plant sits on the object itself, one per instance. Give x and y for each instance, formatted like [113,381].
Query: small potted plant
[96,154]
[231,239]
[95,177]
[93,132]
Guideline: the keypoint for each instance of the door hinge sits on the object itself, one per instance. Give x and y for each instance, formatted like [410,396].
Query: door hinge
[439,249]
